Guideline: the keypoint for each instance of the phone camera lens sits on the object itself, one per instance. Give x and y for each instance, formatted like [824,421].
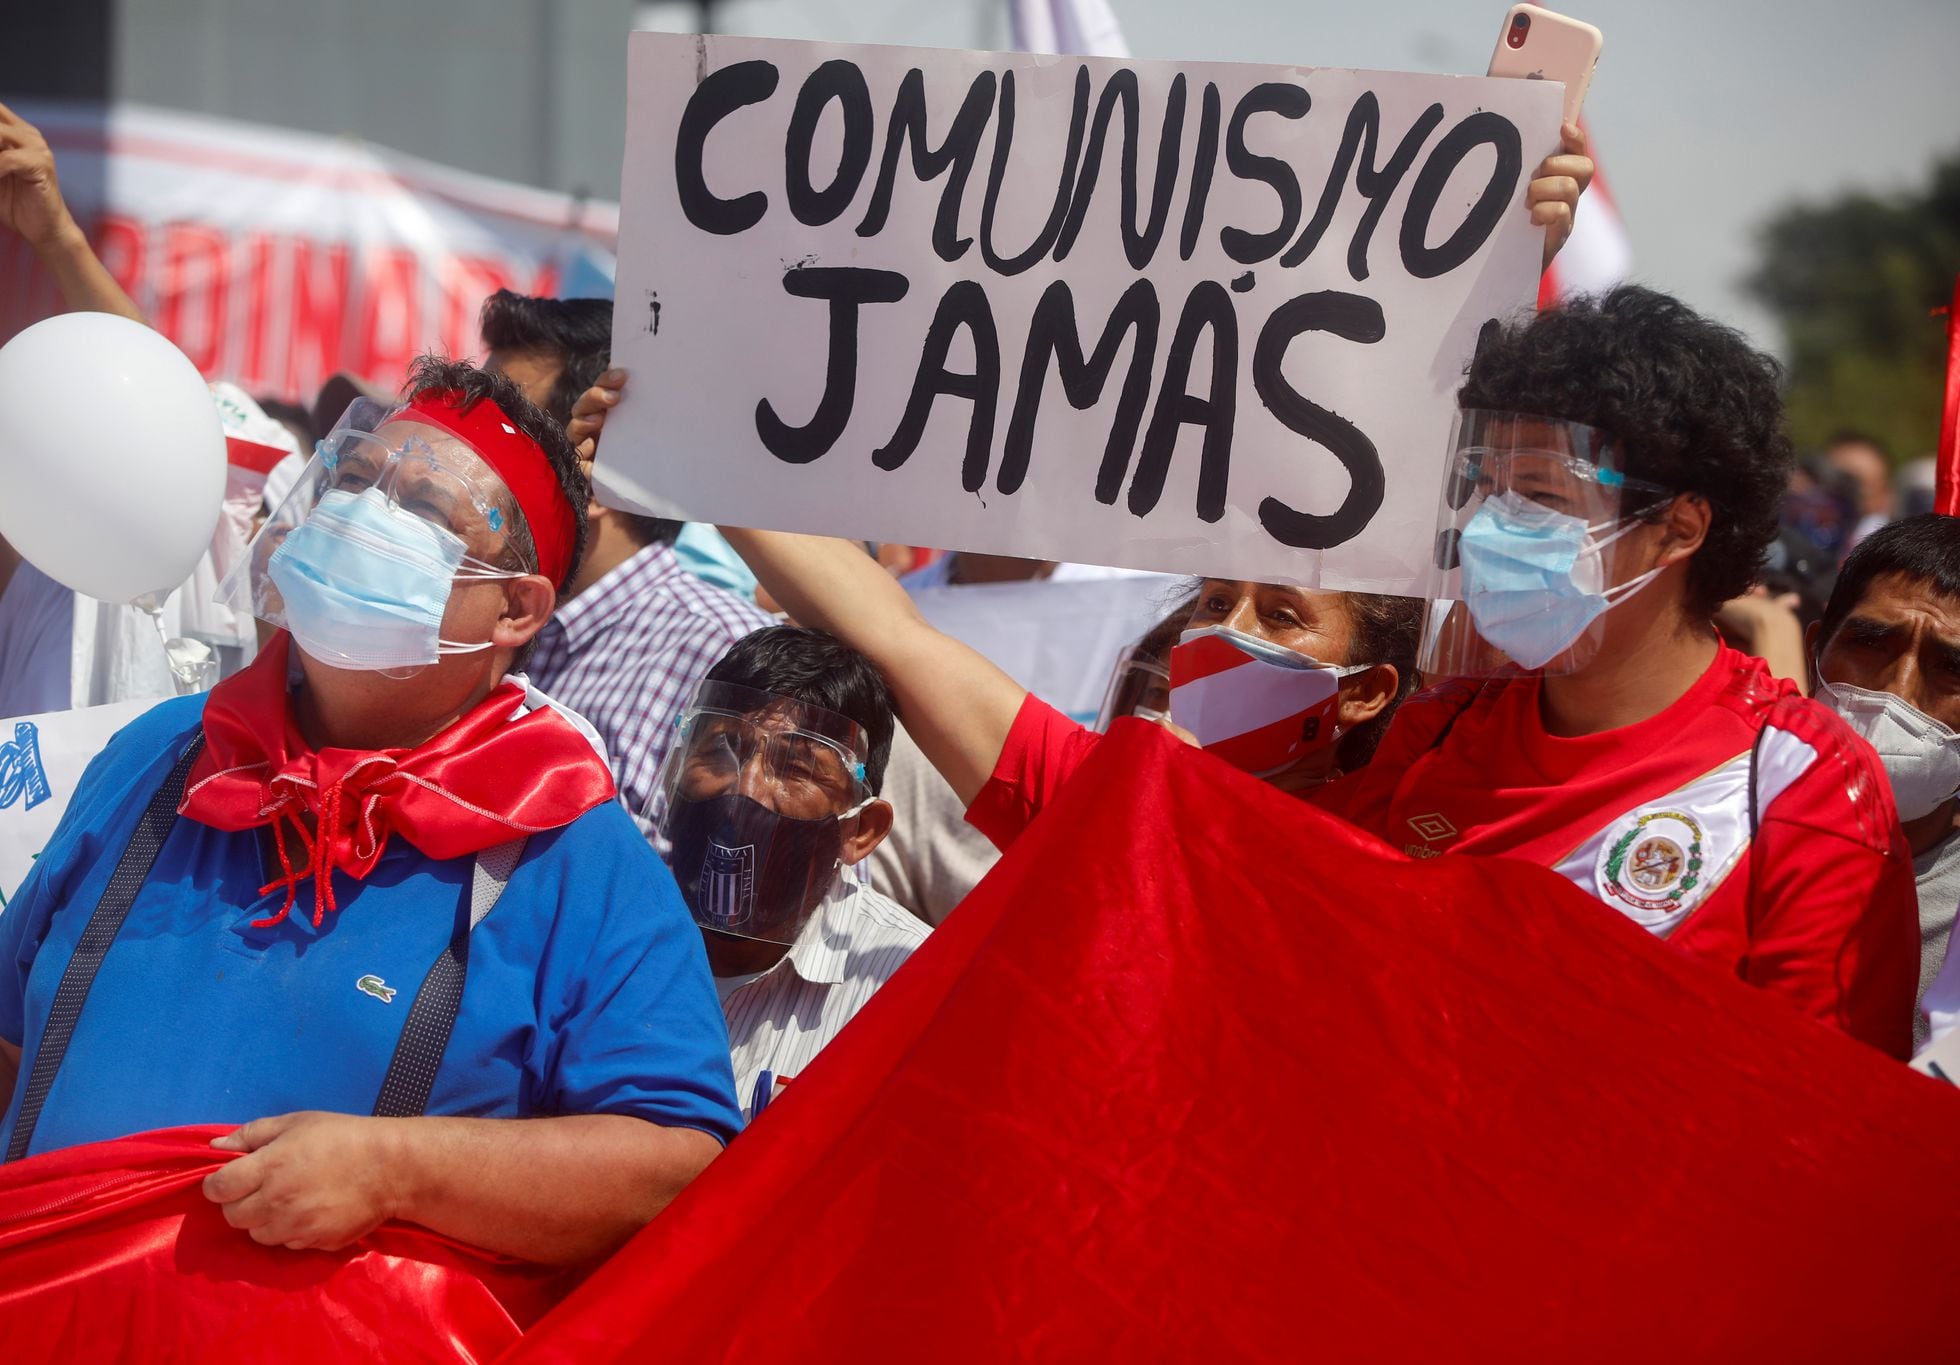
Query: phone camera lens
[1520,25]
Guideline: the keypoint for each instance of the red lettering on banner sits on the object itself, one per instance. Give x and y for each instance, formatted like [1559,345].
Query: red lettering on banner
[190,307]
[466,282]
[256,364]
[121,244]
[319,301]
[390,332]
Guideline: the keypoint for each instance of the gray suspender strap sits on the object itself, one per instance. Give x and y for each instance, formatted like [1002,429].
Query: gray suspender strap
[412,1072]
[138,856]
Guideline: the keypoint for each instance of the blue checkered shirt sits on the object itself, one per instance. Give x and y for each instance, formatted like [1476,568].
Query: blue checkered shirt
[628,652]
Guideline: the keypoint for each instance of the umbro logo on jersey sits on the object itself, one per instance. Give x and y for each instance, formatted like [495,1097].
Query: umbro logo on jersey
[1432,828]
[376,987]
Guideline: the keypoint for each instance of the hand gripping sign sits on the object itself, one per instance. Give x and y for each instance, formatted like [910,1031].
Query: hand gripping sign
[1195,317]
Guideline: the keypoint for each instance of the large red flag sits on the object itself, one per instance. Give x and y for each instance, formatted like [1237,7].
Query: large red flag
[1946,487]
[111,1252]
[1200,1073]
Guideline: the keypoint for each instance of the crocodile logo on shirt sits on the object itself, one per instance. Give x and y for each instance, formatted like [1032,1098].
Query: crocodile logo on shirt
[376,987]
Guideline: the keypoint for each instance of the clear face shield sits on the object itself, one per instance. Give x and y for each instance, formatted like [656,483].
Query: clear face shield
[1139,685]
[360,559]
[753,804]
[1524,568]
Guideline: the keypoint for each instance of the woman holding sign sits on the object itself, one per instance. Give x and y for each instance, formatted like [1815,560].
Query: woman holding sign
[1291,685]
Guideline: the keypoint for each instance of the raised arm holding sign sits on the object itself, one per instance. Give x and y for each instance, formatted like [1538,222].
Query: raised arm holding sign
[961,708]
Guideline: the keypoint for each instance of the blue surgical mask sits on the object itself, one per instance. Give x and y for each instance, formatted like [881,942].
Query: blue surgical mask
[1533,578]
[363,584]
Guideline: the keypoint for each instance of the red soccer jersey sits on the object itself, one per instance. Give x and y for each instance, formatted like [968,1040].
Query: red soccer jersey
[1811,897]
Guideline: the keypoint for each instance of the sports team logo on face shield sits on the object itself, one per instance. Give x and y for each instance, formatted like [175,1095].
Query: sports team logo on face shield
[727,886]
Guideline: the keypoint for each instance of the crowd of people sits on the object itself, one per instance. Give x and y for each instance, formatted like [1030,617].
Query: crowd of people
[510,804]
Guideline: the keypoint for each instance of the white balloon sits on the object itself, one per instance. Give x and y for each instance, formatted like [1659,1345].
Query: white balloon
[112,458]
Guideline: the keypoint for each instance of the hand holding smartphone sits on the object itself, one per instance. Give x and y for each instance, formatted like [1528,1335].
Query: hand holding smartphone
[1538,45]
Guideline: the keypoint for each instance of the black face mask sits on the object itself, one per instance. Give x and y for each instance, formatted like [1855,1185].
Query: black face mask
[745,869]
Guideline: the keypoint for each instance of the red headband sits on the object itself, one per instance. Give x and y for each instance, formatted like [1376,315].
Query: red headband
[519,461]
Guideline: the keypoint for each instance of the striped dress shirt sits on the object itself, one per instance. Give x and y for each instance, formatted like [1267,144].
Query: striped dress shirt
[628,652]
[781,1019]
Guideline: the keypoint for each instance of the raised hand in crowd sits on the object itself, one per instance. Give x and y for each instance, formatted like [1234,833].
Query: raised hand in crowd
[589,413]
[1766,625]
[31,206]
[1557,184]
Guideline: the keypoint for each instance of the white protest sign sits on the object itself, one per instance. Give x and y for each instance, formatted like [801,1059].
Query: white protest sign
[41,760]
[1195,317]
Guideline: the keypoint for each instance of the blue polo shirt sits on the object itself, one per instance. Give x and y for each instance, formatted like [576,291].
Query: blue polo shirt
[588,988]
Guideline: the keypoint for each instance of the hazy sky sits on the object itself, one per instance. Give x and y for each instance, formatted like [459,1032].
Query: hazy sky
[1705,116]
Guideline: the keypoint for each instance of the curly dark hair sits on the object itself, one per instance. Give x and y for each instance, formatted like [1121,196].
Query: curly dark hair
[436,374]
[1692,406]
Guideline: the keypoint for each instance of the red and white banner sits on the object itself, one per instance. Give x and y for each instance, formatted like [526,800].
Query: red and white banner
[276,258]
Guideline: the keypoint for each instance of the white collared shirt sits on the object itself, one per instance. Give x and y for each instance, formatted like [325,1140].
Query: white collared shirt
[781,1019]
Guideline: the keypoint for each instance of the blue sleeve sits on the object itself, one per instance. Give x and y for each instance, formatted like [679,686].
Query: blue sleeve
[638,1028]
[23,926]
[96,823]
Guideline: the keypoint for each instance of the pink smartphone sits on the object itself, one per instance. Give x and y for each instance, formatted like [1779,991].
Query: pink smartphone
[1538,45]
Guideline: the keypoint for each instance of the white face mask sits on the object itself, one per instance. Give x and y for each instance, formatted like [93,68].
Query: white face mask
[1921,756]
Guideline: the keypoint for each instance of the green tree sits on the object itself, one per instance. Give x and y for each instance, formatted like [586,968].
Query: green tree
[1852,282]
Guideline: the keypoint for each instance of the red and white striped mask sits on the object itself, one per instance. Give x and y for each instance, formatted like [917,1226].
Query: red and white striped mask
[1259,706]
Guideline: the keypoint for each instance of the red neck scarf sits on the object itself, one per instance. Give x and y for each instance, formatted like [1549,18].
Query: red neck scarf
[489,778]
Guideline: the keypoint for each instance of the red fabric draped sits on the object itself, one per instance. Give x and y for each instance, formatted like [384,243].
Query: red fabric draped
[483,781]
[111,1252]
[1199,1073]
